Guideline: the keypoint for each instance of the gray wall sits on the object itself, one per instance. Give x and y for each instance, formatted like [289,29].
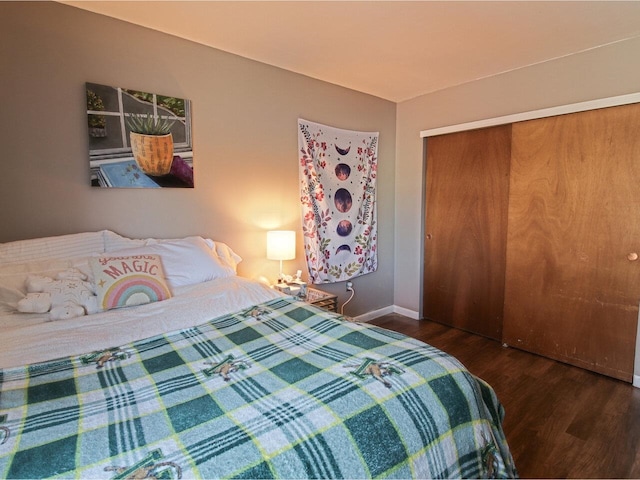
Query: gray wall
[244,135]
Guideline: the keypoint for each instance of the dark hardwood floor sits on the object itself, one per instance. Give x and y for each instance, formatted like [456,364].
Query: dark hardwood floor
[561,421]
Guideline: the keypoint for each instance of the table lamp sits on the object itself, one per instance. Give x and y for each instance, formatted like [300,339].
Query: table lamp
[281,245]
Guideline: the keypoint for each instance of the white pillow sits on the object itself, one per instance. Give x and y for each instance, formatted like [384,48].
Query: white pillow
[63,246]
[185,261]
[113,242]
[227,256]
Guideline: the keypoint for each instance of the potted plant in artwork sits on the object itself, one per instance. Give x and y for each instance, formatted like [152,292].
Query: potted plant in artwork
[151,143]
[97,123]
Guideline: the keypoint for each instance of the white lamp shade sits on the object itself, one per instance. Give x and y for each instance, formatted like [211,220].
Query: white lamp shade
[281,245]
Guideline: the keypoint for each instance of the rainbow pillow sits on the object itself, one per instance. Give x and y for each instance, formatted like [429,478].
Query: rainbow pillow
[124,281]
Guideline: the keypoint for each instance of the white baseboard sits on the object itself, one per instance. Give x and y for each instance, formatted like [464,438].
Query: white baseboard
[636,381]
[406,312]
[367,317]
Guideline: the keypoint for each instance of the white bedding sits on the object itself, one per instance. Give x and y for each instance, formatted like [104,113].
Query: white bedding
[31,338]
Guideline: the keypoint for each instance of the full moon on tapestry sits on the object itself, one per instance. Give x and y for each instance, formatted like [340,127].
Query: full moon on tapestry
[338,170]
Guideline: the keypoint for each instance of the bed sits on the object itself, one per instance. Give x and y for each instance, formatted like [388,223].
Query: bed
[221,378]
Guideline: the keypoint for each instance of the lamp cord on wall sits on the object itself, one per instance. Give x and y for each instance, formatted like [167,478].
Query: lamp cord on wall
[353,292]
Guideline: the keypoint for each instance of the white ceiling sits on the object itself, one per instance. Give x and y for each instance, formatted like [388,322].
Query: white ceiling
[395,50]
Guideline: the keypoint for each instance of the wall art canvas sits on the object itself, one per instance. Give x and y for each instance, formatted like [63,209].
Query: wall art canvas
[337,171]
[138,139]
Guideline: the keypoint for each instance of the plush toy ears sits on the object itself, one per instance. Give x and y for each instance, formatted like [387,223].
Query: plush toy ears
[71,274]
[37,283]
[39,302]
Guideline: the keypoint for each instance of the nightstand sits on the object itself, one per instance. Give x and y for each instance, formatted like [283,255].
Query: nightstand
[321,299]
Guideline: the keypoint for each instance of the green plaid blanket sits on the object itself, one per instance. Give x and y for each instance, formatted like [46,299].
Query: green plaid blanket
[281,390]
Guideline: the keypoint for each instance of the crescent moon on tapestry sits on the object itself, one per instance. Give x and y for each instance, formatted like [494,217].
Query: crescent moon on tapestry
[343,151]
[343,248]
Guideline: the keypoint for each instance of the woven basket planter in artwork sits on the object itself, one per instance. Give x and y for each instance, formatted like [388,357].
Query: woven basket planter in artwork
[152,153]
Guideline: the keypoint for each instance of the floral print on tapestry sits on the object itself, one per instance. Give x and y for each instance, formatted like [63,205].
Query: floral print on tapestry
[338,170]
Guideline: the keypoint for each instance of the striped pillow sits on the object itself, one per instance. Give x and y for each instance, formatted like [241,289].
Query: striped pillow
[63,246]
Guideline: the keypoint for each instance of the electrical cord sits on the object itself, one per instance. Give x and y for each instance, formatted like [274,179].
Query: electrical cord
[353,292]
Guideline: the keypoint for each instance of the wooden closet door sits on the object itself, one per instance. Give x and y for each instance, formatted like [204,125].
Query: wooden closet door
[465,229]
[572,282]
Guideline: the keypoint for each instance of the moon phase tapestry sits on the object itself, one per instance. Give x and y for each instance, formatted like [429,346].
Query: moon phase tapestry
[338,171]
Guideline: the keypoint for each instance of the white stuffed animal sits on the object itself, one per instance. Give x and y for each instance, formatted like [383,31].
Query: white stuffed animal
[68,295]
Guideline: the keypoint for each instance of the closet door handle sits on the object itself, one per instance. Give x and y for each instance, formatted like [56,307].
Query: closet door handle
[632,257]
[429,236]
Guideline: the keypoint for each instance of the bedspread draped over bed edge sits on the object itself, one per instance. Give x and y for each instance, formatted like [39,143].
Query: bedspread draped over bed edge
[278,390]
